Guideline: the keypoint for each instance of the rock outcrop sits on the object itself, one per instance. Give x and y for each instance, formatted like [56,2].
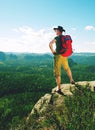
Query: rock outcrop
[42,104]
[54,100]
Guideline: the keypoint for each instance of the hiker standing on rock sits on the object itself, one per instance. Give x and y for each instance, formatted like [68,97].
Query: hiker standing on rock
[59,58]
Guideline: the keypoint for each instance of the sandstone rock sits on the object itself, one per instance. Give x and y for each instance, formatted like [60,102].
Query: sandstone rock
[42,104]
[57,100]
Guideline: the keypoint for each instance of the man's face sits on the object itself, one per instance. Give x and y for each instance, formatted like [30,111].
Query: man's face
[58,32]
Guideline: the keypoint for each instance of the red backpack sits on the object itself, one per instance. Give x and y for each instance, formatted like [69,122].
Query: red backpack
[66,47]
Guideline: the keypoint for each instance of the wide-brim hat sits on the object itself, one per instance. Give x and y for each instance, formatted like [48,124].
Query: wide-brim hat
[60,28]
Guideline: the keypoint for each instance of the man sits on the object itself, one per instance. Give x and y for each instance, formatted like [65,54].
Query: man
[59,60]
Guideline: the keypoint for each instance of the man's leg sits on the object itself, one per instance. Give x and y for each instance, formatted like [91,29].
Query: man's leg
[69,73]
[57,67]
[58,81]
[67,69]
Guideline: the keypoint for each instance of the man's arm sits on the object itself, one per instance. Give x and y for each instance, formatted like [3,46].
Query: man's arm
[51,46]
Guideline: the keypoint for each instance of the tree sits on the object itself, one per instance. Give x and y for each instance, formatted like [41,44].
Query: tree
[2,56]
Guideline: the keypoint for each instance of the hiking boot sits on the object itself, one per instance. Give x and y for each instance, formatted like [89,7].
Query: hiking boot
[58,91]
[72,82]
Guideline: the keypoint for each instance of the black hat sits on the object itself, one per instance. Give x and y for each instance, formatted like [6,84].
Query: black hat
[60,28]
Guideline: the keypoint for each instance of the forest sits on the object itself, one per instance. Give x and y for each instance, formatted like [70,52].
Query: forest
[25,77]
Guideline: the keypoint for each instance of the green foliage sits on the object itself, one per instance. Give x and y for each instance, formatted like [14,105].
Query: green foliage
[81,109]
[15,107]
[5,112]
[24,78]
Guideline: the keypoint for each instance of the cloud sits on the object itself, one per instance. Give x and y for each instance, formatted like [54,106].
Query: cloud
[37,41]
[29,40]
[86,46]
[89,27]
[73,29]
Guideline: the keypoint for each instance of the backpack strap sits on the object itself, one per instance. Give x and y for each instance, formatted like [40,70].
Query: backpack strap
[63,44]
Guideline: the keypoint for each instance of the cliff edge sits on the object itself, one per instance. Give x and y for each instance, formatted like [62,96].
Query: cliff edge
[74,109]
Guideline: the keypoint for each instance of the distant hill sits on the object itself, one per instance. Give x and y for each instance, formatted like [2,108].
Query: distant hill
[84,58]
[80,58]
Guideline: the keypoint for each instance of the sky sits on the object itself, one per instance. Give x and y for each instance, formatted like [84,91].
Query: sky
[27,25]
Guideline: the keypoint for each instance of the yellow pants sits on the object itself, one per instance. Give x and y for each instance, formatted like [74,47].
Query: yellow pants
[59,61]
